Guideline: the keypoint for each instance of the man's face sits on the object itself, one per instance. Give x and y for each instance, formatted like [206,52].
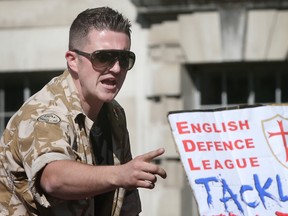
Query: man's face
[94,85]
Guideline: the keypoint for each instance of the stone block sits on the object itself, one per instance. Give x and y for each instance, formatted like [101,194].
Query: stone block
[233,24]
[163,202]
[165,78]
[176,174]
[201,37]
[33,48]
[34,13]
[164,42]
[260,26]
[164,33]
[278,49]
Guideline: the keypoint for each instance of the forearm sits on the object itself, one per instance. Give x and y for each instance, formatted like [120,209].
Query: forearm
[73,180]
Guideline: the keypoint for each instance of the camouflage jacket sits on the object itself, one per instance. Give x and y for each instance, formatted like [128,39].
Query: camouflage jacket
[51,126]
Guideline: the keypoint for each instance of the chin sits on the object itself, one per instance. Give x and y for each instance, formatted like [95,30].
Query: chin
[108,98]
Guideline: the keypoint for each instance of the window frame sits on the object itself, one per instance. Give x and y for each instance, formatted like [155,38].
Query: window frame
[252,70]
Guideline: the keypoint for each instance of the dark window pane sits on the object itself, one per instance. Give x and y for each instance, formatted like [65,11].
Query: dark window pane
[36,86]
[265,85]
[13,85]
[13,96]
[6,120]
[38,80]
[211,88]
[237,89]
[240,80]
[284,87]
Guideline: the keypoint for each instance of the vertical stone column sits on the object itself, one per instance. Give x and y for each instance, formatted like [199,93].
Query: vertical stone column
[233,26]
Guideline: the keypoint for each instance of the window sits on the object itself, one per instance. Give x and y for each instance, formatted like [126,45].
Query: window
[284,86]
[222,84]
[264,87]
[15,88]
[212,81]
[237,88]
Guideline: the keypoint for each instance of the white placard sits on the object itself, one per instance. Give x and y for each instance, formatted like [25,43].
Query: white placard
[236,160]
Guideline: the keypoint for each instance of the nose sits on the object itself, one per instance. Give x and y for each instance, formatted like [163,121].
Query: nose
[116,68]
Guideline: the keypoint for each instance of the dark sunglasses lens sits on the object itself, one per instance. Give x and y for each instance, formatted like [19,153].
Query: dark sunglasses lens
[104,59]
[127,60]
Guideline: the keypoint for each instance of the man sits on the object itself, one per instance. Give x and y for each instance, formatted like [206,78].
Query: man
[66,151]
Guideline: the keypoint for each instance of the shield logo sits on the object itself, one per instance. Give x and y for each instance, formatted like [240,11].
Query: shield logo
[275,130]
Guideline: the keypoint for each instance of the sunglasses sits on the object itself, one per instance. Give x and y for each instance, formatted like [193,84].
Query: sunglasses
[104,59]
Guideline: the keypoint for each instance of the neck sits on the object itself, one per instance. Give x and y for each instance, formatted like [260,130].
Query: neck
[91,111]
[91,107]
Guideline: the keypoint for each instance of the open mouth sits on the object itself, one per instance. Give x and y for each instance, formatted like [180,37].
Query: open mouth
[109,82]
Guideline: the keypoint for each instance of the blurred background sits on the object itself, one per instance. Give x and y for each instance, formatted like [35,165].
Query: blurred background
[191,54]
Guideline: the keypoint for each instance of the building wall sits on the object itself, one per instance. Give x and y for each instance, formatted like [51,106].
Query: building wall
[34,37]
[230,34]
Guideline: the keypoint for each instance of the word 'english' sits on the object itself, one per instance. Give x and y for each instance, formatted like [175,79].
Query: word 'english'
[183,127]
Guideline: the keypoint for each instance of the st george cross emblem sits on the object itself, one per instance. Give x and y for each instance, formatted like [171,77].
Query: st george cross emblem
[275,130]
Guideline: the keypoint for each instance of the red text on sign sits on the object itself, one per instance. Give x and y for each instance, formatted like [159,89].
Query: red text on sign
[223,164]
[238,144]
[185,128]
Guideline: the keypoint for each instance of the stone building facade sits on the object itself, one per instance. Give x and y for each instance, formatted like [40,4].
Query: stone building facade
[191,54]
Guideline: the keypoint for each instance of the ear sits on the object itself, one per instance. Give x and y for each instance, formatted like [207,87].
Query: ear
[71,59]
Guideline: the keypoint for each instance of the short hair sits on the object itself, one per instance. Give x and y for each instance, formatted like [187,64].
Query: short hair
[101,18]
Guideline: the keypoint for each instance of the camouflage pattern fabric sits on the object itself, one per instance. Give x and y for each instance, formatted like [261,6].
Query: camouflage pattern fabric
[50,126]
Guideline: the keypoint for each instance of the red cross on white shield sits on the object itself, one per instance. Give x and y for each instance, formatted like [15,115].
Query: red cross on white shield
[275,130]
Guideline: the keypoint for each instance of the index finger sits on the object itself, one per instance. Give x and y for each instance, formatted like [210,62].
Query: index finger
[153,154]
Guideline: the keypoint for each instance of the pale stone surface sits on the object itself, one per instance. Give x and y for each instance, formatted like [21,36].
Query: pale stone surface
[259,32]
[156,35]
[165,78]
[200,37]
[164,42]
[278,49]
[166,32]
[33,13]
[34,34]
[177,177]
[33,49]
[159,132]
[233,24]
[165,201]
[171,53]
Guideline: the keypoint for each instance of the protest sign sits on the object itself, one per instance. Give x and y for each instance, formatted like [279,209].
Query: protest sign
[236,160]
